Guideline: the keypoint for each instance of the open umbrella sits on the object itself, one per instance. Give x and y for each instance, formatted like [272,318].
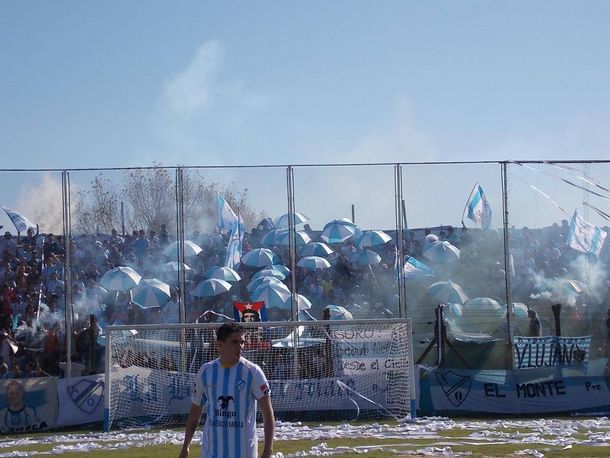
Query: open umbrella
[260,257]
[174,266]
[313,263]
[224,273]
[261,281]
[447,292]
[338,312]
[373,238]
[280,268]
[120,279]
[298,218]
[190,249]
[443,252]
[338,231]
[519,309]
[273,295]
[211,287]
[301,238]
[302,302]
[483,304]
[416,269]
[271,237]
[365,258]
[316,249]
[150,293]
[269,273]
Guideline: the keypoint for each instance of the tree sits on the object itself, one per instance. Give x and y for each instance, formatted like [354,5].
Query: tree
[97,208]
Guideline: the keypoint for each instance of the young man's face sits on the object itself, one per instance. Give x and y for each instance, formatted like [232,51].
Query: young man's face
[230,350]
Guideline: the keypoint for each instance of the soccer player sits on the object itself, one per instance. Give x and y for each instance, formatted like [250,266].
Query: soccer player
[229,387]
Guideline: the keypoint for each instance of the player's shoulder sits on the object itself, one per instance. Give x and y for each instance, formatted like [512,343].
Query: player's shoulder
[249,364]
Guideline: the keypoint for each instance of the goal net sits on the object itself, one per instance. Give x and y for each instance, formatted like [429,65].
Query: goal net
[317,370]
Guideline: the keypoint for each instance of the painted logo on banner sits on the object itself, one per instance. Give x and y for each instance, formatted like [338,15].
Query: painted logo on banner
[551,351]
[455,386]
[86,394]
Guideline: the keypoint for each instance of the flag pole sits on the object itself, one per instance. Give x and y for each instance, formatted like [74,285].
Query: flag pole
[467,201]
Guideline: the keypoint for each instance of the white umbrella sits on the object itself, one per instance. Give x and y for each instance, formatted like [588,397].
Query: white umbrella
[224,273]
[190,249]
[313,263]
[447,292]
[338,231]
[316,249]
[373,238]
[365,258]
[211,287]
[302,302]
[260,257]
[301,238]
[120,279]
[443,252]
[150,293]
[298,218]
[484,304]
[174,266]
[261,281]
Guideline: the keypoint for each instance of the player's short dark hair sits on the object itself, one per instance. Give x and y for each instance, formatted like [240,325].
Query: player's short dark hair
[227,329]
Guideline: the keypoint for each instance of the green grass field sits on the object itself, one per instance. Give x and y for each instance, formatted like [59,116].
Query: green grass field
[475,438]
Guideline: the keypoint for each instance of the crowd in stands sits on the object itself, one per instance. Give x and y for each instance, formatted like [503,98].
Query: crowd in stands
[32,275]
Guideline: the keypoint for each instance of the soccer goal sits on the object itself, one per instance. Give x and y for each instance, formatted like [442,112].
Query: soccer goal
[317,370]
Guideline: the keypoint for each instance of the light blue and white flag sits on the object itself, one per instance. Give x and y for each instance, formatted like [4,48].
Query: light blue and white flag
[22,224]
[234,248]
[225,216]
[478,207]
[416,269]
[585,237]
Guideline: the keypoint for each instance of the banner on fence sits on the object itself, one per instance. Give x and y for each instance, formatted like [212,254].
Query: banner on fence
[516,392]
[28,404]
[81,400]
[549,351]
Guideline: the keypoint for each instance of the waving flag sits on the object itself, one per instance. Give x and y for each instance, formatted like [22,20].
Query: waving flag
[478,208]
[22,224]
[415,269]
[585,237]
[225,216]
[234,247]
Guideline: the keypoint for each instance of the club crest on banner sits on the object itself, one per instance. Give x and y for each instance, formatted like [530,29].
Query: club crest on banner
[455,386]
[86,394]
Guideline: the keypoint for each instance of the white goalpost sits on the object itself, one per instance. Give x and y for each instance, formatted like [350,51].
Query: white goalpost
[317,370]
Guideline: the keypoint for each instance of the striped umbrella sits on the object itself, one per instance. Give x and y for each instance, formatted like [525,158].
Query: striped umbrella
[274,295]
[442,252]
[281,269]
[373,238]
[365,258]
[313,263]
[260,257]
[174,266]
[316,249]
[271,237]
[298,218]
[150,293]
[190,249]
[120,279]
[301,238]
[447,292]
[225,273]
[302,302]
[269,273]
[211,287]
[338,231]
[338,312]
[261,281]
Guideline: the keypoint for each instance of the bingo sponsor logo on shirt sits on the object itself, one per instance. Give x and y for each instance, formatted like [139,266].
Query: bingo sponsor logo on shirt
[224,411]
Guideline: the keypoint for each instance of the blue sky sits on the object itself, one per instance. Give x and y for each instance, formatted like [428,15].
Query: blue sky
[116,83]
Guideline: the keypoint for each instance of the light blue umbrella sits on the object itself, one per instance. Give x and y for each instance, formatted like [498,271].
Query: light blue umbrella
[443,252]
[269,273]
[338,231]
[150,293]
[190,249]
[416,269]
[365,258]
[316,249]
[519,309]
[298,218]
[271,237]
[211,287]
[120,279]
[225,273]
[447,292]
[174,266]
[260,257]
[373,238]
[301,238]
[313,263]
[274,295]
[261,281]
[302,302]
[280,268]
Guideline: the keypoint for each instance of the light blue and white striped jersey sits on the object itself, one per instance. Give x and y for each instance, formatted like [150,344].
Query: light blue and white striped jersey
[229,396]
